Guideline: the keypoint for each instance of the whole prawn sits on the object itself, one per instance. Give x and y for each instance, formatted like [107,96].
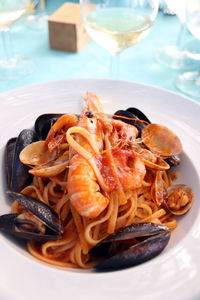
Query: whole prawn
[123,168]
[83,189]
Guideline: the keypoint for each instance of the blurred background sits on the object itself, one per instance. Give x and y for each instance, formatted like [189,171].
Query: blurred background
[139,63]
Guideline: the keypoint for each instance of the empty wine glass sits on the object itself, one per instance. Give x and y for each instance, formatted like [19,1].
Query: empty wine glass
[117,25]
[189,82]
[12,66]
[176,56]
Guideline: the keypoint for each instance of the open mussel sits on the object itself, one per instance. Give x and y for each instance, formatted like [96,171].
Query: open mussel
[17,173]
[43,124]
[131,246]
[132,119]
[139,114]
[9,154]
[38,222]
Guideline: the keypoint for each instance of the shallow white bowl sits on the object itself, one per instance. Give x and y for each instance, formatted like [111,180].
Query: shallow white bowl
[175,273]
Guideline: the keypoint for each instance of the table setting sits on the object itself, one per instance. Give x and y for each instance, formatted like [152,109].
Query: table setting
[100,174]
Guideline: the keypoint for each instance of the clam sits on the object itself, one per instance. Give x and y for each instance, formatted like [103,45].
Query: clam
[180,199]
[43,162]
[160,164]
[151,160]
[35,155]
[39,222]
[131,246]
[161,140]
[159,190]
[52,168]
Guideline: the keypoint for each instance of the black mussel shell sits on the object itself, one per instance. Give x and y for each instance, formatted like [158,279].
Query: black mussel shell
[126,114]
[136,254]
[173,161]
[139,114]
[43,124]
[133,119]
[19,175]
[9,224]
[9,154]
[41,210]
[121,250]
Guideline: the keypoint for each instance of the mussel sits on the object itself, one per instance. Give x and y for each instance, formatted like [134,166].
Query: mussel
[38,222]
[43,124]
[131,246]
[9,154]
[173,161]
[134,117]
[17,173]
[139,114]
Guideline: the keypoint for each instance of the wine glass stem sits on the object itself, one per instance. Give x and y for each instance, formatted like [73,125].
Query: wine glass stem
[7,43]
[114,66]
[180,37]
[42,6]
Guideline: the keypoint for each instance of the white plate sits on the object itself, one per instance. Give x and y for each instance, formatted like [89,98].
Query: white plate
[175,273]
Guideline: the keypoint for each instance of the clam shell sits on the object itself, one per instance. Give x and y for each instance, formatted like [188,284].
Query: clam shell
[161,140]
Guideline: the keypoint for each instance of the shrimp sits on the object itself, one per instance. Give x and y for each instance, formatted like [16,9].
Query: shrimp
[83,189]
[66,121]
[116,168]
[129,165]
[130,168]
[126,133]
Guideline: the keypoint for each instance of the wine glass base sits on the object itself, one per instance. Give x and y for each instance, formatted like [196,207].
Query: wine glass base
[15,68]
[189,83]
[173,57]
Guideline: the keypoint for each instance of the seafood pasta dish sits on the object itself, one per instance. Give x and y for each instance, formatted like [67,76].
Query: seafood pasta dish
[94,190]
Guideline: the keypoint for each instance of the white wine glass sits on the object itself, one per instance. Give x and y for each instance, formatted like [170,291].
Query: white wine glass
[12,66]
[178,56]
[117,25]
[189,82]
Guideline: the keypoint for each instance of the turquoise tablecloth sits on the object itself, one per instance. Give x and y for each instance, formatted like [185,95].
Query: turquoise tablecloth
[137,63]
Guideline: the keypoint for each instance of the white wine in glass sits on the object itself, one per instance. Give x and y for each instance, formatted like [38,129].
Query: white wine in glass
[117,25]
[12,66]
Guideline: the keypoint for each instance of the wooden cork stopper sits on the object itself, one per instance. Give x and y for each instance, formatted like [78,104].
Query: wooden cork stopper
[66,29]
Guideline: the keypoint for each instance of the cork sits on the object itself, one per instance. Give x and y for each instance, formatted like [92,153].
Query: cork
[66,29]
